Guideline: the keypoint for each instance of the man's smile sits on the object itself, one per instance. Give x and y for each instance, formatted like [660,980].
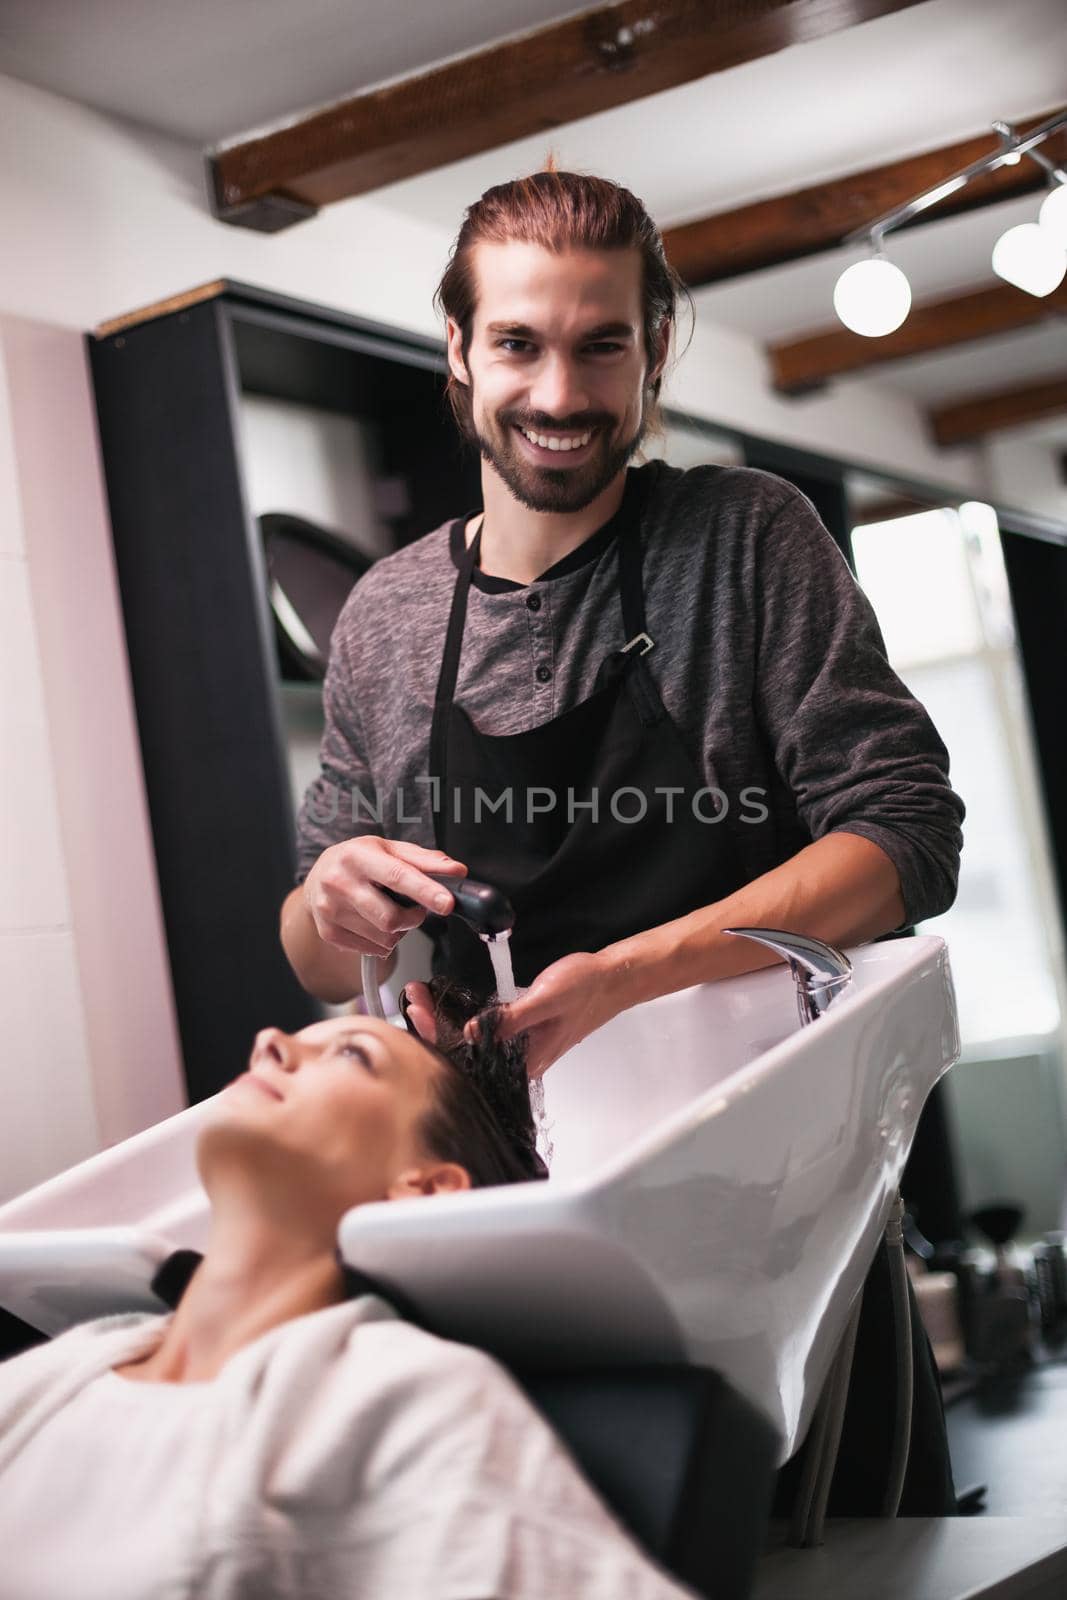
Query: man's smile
[555,447]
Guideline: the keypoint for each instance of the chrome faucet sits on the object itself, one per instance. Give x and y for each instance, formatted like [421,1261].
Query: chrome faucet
[820,971]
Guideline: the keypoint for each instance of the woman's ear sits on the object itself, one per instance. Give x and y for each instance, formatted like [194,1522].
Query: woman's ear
[437,1177]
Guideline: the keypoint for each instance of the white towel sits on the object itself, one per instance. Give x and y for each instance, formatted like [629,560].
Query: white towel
[345,1455]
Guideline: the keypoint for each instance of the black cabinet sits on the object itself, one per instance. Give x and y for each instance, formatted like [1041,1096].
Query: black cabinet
[198,626]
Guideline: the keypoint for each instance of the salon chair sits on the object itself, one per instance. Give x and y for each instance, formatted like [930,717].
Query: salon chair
[686,1464]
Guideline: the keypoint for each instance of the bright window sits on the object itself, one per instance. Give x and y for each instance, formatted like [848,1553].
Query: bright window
[938,586]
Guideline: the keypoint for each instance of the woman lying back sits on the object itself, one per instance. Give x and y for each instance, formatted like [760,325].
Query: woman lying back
[274,1436]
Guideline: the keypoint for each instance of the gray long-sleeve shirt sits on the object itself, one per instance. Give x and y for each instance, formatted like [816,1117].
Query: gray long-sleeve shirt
[767,656]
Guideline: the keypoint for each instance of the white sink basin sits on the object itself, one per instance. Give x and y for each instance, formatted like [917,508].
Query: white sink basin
[720,1182]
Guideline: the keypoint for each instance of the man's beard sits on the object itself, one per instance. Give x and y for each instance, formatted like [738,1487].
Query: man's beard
[558,489]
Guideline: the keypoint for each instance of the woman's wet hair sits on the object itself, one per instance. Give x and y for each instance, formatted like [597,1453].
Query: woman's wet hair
[481,1116]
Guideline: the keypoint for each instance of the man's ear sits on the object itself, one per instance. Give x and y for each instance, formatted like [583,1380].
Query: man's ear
[437,1177]
[663,346]
[456,364]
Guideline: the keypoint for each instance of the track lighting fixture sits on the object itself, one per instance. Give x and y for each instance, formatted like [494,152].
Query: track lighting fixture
[873,297]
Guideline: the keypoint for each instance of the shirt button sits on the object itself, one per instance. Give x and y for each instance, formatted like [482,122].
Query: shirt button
[533,602]
[543,674]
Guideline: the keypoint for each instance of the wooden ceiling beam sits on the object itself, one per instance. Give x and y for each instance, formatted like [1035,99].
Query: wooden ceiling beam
[966,420]
[520,87]
[808,221]
[800,365]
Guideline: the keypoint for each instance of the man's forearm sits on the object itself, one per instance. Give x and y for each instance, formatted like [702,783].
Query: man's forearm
[328,973]
[842,888]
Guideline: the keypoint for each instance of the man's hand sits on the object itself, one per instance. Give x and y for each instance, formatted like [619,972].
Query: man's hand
[343,892]
[842,888]
[565,1003]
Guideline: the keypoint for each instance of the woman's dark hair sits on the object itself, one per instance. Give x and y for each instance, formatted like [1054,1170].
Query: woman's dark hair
[481,1115]
[559,211]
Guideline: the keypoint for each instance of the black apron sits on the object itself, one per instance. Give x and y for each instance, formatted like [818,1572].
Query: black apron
[578,879]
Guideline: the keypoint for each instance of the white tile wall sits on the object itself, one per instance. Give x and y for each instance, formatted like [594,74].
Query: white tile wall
[90,1048]
[11,537]
[33,889]
[49,1120]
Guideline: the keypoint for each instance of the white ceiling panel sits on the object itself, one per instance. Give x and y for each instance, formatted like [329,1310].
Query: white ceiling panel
[210,70]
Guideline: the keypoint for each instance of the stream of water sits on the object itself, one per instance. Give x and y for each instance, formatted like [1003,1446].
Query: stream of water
[503,972]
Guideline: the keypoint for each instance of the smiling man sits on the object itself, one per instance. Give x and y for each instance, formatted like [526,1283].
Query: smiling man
[645,703]
[648,704]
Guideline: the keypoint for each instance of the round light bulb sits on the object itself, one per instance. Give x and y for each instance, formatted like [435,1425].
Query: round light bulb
[872,297]
[1053,214]
[1029,257]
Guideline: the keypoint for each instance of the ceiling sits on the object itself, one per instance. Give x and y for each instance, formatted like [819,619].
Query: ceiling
[170,64]
[908,82]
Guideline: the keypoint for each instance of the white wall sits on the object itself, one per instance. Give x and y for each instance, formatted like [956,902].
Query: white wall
[725,375]
[49,1113]
[101,217]
[1025,472]
[93,1053]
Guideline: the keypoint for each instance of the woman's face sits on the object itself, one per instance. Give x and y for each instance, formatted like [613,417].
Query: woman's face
[330,1116]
